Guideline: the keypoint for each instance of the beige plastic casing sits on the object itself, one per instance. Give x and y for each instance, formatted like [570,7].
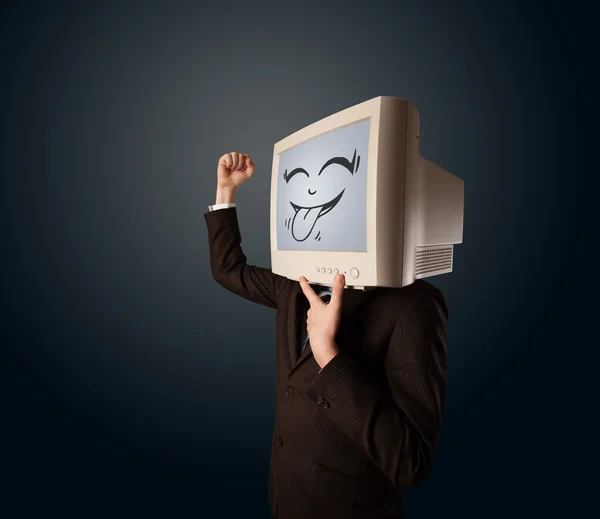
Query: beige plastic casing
[392,201]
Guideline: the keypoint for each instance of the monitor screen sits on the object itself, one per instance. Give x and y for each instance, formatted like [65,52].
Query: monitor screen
[322,192]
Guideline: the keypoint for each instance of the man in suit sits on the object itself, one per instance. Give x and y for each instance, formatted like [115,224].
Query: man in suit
[358,405]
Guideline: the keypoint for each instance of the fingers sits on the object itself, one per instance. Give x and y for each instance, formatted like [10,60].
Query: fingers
[337,291]
[310,294]
[237,161]
[242,161]
[249,166]
[226,160]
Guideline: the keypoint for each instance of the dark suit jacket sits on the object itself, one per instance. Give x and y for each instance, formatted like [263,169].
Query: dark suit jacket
[349,440]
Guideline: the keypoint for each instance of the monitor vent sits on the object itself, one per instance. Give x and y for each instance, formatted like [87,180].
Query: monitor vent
[433,260]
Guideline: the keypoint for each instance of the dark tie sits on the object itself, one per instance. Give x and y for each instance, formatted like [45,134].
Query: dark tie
[324,294]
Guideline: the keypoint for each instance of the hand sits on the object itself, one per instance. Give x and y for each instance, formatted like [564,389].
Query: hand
[233,170]
[323,320]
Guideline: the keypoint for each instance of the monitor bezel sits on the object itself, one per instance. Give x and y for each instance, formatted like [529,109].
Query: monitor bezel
[382,264]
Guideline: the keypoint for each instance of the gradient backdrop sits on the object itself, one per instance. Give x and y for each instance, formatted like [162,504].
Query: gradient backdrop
[135,386]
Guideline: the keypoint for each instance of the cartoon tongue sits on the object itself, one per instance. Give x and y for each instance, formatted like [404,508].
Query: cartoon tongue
[304,221]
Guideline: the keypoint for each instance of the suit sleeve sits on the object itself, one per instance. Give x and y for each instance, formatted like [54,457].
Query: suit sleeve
[396,423]
[228,262]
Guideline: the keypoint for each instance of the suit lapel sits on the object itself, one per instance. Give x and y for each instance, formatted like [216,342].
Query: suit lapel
[351,299]
[294,321]
[305,355]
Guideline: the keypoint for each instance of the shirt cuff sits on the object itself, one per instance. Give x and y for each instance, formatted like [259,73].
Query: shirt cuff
[220,206]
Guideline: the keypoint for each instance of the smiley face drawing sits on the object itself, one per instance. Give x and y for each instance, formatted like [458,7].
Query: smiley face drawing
[321,191]
[315,202]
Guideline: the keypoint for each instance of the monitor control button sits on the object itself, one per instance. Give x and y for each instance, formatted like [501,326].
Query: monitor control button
[329,271]
[354,272]
[318,269]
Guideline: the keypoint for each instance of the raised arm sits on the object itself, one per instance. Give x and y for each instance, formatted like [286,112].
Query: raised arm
[227,260]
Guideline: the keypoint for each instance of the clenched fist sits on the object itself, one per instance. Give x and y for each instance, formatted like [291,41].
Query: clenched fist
[233,170]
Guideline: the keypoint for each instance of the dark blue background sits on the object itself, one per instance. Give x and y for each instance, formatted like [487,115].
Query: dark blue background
[135,385]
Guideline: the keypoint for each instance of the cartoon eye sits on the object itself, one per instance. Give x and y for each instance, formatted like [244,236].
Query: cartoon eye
[351,166]
[287,176]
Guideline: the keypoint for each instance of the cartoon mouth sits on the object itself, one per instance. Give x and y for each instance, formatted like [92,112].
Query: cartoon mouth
[306,217]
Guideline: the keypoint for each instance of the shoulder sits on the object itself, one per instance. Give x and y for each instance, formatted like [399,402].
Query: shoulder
[418,318]
[419,296]
[420,325]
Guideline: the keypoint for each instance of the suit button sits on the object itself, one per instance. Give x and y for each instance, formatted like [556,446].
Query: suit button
[279,441]
[289,391]
[320,400]
[326,404]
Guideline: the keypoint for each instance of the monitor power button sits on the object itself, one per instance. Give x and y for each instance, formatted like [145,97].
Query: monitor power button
[354,272]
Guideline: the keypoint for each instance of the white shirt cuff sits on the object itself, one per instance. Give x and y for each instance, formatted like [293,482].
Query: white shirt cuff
[220,206]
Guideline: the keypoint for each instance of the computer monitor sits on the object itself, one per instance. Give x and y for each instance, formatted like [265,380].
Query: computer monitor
[351,194]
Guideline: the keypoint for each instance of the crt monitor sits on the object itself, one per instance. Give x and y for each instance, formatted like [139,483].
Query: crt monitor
[351,194]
